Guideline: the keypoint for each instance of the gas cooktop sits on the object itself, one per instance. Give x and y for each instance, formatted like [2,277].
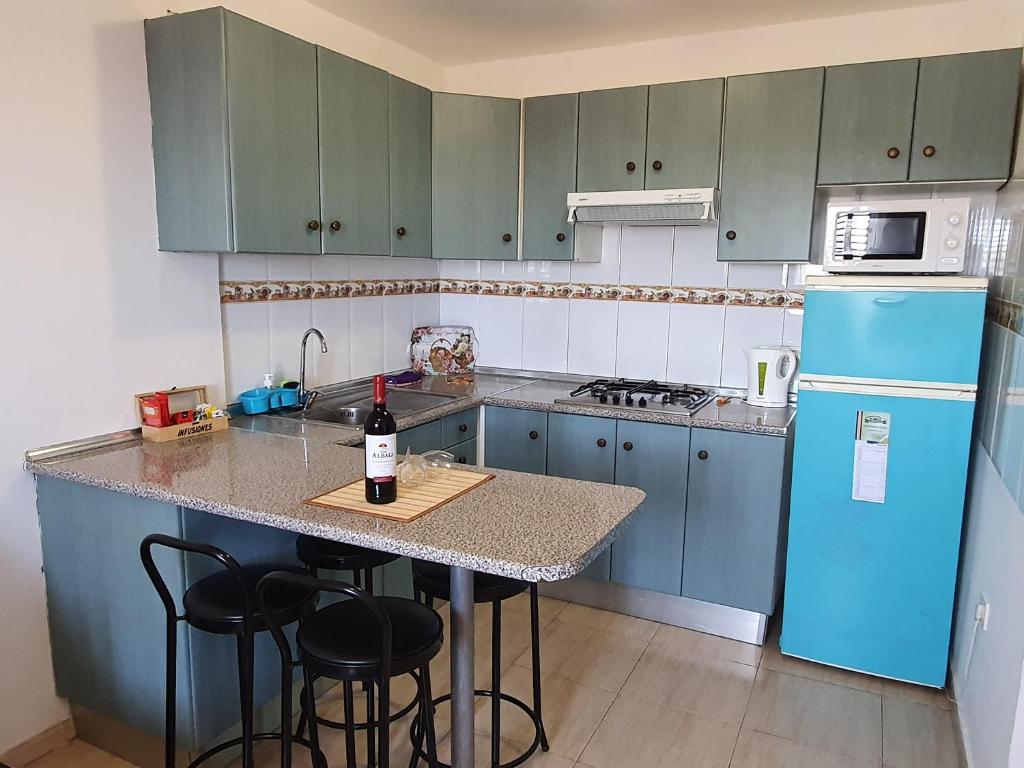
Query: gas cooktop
[630,394]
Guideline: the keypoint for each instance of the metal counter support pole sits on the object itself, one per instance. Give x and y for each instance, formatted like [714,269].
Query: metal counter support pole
[462,667]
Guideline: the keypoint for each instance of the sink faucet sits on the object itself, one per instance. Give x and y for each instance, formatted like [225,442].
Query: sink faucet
[304,396]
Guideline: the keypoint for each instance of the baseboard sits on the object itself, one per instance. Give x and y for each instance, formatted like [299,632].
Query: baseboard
[42,743]
[961,732]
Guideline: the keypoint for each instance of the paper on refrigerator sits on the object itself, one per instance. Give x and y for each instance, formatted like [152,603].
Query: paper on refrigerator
[871,456]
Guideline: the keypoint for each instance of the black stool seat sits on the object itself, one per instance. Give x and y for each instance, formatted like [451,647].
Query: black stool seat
[343,640]
[215,603]
[338,556]
[435,580]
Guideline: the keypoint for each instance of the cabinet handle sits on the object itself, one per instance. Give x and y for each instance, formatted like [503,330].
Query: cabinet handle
[560,237]
[313,225]
[702,455]
[400,231]
[892,153]
[928,151]
[507,237]
[335,225]
[630,166]
[601,442]
[730,235]
[656,165]
[627,446]
[533,434]
[463,428]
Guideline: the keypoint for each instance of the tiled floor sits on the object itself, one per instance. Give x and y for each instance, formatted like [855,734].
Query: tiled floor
[621,692]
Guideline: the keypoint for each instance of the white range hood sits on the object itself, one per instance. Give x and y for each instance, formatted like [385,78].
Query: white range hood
[655,207]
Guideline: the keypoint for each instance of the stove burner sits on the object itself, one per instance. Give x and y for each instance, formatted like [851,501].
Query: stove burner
[630,393]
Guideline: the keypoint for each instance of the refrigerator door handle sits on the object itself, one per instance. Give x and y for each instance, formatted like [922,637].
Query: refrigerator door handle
[889,300]
[888,390]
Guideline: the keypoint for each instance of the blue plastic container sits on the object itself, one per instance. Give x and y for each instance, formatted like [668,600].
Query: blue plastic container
[263,399]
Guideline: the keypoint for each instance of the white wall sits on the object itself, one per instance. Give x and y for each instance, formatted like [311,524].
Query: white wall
[966,25]
[91,311]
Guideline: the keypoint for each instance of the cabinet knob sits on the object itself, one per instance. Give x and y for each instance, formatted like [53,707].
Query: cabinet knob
[730,235]
[462,460]
[702,455]
[507,237]
[400,231]
[335,226]
[601,442]
[656,165]
[630,166]
[892,153]
[928,151]
[560,237]
[463,428]
[313,225]
[533,434]
[627,446]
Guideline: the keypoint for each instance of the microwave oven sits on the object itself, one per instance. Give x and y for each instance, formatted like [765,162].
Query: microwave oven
[926,236]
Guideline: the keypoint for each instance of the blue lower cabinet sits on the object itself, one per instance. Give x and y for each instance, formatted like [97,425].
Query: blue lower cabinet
[649,553]
[583,448]
[459,427]
[425,437]
[516,439]
[464,452]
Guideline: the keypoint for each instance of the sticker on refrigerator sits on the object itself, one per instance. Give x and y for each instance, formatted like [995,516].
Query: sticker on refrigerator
[871,456]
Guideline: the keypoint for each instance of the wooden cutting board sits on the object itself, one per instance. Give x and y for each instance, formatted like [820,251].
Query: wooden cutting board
[413,501]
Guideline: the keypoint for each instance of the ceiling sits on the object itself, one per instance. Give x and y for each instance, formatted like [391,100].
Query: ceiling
[466,31]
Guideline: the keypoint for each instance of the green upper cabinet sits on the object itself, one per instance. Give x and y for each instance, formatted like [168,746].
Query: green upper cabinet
[612,139]
[684,134]
[769,165]
[964,120]
[475,177]
[353,156]
[549,174]
[409,139]
[866,122]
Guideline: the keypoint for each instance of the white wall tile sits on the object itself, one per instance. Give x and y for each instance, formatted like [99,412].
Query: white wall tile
[546,271]
[747,327]
[332,317]
[642,339]
[366,267]
[606,271]
[398,325]
[460,269]
[501,270]
[460,309]
[289,266]
[426,309]
[757,276]
[367,322]
[592,336]
[288,321]
[331,268]
[695,258]
[243,266]
[500,331]
[695,344]
[793,328]
[545,334]
[407,269]
[645,256]
[246,346]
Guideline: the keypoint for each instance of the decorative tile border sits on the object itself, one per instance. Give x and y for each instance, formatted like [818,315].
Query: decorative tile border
[1006,314]
[280,290]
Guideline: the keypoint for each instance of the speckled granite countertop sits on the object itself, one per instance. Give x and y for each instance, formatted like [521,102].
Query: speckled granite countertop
[519,525]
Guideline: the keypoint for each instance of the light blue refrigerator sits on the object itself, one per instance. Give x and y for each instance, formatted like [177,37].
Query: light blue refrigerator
[888,382]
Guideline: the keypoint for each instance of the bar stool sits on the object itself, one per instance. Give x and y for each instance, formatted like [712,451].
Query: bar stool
[323,554]
[224,603]
[433,581]
[362,639]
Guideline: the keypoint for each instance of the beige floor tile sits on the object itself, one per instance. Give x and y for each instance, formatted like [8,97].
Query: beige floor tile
[762,750]
[572,711]
[817,714]
[509,750]
[701,644]
[607,621]
[933,697]
[78,754]
[704,685]
[772,658]
[549,607]
[586,655]
[634,733]
[918,736]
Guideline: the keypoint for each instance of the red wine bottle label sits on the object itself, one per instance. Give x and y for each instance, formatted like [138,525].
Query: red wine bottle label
[380,457]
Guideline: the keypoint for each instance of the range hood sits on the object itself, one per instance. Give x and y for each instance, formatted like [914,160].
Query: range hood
[655,207]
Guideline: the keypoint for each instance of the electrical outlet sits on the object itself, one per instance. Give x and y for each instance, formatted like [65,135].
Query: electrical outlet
[982,612]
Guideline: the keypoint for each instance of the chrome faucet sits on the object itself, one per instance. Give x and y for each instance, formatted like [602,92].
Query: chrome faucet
[307,398]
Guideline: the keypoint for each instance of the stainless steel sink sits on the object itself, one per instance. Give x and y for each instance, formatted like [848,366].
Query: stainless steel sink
[350,407]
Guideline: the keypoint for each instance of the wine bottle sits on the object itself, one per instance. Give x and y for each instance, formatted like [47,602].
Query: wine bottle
[380,434]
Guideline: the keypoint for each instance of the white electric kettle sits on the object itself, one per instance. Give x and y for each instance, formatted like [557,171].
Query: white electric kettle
[769,370]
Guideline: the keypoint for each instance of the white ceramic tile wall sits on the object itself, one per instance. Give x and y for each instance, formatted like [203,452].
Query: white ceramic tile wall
[545,334]
[642,340]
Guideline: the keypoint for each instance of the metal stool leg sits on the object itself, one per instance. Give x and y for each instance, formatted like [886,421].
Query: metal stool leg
[535,648]
[314,736]
[428,717]
[496,684]
[245,683]
[350,734]
[371,751]
[170,711]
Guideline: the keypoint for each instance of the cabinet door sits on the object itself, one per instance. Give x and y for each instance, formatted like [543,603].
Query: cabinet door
[353,100]
[583,448]
[459,427]
[516,439]
[652,457]
[734,501]
[549,174]
[409,138]
[684,134]
[475,177]
[612,138]
[464,452]
[425,437]
[272,134]
[965,116]
[866,120]
[769,164]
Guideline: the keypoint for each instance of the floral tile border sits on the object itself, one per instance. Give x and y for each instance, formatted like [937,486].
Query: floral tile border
[285,290]
[1005,313]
